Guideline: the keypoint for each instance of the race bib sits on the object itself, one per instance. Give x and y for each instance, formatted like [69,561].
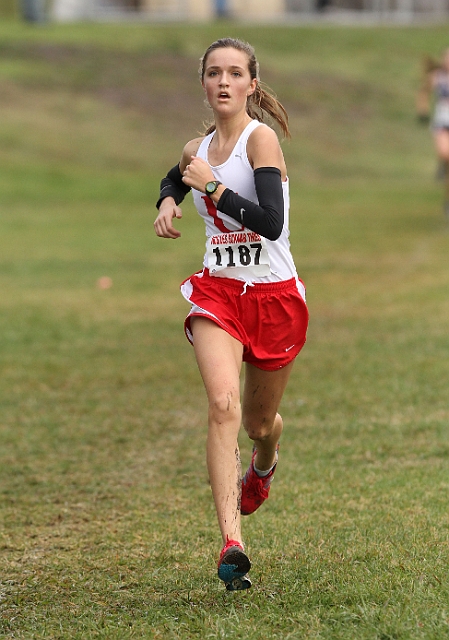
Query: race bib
[240,249]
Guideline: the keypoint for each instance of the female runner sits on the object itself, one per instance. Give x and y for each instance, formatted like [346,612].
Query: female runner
[436,85]
[247,303]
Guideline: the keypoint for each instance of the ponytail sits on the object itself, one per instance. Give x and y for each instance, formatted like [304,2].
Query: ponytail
[262,102]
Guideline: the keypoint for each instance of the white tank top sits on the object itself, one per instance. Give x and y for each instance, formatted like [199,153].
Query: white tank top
[233,251]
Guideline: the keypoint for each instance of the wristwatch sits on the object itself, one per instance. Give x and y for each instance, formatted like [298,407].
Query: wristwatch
[211,187]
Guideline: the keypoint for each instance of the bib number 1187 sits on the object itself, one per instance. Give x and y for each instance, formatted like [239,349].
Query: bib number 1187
[238,255]
[251,255]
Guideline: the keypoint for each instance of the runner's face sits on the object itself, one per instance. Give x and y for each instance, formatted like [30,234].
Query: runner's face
[227,81]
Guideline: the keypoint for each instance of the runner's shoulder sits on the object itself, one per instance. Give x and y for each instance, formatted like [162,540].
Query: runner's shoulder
[191,148]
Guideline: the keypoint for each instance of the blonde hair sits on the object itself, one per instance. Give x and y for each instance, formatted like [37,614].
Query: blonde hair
[262,101]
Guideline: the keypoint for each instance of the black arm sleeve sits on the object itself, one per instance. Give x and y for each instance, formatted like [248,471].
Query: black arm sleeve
[172,185]
[265,218]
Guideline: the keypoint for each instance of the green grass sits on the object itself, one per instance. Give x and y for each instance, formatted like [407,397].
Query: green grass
[108,528]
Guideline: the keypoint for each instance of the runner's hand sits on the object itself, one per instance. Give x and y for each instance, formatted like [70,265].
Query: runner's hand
[163,225]
[197,174]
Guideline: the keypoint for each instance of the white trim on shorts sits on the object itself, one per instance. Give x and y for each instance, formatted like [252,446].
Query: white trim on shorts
[196,310]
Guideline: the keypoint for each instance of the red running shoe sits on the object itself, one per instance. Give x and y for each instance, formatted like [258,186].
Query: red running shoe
[255,489]
[233,566]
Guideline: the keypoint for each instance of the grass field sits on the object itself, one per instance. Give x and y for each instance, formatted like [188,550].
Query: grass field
[107,523]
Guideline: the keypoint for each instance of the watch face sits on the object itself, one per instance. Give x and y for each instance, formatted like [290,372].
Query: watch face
[211,187]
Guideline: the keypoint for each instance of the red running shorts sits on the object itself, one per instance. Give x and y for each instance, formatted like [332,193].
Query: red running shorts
[270,320]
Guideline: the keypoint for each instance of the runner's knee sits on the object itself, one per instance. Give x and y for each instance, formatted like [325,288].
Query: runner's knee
[258,428]
[263,426]
[224,407]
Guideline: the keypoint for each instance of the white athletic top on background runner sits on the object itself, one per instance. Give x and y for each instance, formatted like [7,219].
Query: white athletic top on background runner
[256,259]
[441,112]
